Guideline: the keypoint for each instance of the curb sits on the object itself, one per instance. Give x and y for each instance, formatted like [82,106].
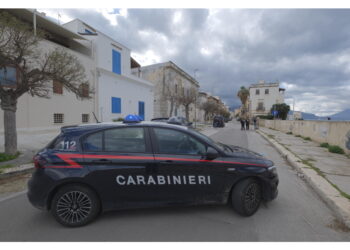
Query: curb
[331,196]
[22,169]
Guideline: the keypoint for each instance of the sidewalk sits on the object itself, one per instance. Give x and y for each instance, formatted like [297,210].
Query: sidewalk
[328,173]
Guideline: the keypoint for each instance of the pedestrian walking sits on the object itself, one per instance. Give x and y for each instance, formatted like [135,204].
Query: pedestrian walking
[247,123]
[254,121]
[242,123]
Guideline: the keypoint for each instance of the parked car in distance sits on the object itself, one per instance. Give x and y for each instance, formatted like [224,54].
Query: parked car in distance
[92,168]
[180,120]
[218,121]
[160,119]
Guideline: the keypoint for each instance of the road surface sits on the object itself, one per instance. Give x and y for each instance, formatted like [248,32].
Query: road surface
[297,214]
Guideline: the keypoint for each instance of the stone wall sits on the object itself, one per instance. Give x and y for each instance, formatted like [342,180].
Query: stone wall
[333,132]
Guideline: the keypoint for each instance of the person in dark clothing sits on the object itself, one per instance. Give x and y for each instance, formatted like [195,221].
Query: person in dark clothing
[254,121]
[242,124]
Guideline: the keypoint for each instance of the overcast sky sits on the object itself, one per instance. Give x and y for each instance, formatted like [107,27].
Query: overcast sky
[307,51]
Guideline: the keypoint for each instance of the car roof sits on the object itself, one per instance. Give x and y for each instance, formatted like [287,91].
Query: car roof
[106,125]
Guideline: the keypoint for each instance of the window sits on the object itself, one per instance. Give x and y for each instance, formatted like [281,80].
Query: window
[64,143]
[116,62]
[8,76]
[58,118]
[266,91]
[88,31]
[57,87]
[125,140]
[84,90]
[93,142]
[116,105]
[176,142]
[257,91]
[142,110]
[260,107]
[85,118]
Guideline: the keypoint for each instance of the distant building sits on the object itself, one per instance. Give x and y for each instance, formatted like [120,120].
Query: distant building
[262,96]
[118,92]
[169,81]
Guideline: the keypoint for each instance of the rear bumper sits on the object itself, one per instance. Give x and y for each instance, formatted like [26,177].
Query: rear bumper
[39,187]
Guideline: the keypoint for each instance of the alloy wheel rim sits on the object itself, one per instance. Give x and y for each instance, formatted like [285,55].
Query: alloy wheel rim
[252,197]
[74,207]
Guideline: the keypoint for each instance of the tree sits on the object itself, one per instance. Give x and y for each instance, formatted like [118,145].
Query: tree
[186,98]
[170,94]
[243,95]
[282,109]
[20,49]
[210,107]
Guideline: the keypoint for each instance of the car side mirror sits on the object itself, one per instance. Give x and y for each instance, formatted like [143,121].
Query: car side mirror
[211,154]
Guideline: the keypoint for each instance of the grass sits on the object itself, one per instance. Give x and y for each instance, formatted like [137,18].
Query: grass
[306,138]
[324,145]
[5,166]
[332,148]
[271,136]
[297,135]
[7,157]
[336,149]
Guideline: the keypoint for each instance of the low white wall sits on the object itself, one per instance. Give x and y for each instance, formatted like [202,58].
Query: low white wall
[333,132]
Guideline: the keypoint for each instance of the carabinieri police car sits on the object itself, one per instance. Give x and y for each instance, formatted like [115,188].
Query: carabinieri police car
[99,167]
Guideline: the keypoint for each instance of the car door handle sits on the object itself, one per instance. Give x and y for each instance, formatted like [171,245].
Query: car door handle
[167,161]
[102,161]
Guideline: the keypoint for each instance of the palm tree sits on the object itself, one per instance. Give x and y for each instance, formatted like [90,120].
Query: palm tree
[243,94]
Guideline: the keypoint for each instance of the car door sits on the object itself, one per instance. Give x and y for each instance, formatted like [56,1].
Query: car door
[119,160]
[180,160]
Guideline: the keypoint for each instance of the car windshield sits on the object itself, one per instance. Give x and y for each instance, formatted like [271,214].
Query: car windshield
[211,141]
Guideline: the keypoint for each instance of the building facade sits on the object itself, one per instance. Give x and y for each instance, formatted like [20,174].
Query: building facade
[170,82]
[118,92]
[62,108]
[262,96]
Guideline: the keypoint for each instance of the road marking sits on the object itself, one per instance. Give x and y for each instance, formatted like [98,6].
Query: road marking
[13,195]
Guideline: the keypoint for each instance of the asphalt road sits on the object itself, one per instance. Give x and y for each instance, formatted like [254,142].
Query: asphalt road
[297,214]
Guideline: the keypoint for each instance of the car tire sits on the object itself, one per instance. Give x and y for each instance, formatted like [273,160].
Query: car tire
[75,205]
[246,197]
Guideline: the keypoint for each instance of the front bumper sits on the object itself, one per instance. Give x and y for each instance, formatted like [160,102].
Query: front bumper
[270,184]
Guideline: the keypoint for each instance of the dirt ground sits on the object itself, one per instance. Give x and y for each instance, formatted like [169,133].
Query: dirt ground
[13,184]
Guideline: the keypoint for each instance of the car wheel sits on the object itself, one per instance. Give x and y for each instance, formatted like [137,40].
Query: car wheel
[75,205]
[246,197]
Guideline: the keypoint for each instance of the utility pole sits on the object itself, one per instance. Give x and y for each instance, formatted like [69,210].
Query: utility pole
[195,101]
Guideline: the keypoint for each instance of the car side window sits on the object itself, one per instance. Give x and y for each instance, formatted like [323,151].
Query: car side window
[176,142]
[93,142]
[125,140]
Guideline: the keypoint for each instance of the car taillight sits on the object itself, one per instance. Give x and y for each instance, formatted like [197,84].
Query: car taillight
[39,161]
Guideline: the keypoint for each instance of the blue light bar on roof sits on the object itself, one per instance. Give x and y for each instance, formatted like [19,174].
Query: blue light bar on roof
[131,119]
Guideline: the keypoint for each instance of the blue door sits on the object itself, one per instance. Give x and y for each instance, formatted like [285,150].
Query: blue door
[142,110]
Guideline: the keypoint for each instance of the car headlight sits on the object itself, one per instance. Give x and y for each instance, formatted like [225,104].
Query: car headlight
[272,170]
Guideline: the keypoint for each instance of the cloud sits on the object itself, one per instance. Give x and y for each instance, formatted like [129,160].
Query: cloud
[306,50]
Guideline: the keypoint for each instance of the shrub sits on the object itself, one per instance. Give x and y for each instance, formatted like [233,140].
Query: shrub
[120,119]
[307,138]
[335,149]
[6,157]
[289,133]
[324,145]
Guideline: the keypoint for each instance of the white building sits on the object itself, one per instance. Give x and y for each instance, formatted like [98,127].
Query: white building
[169,81]
[118,92]
[262,96]
[63,108]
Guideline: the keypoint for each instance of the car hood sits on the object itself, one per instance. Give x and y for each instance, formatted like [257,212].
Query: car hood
[244,153]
